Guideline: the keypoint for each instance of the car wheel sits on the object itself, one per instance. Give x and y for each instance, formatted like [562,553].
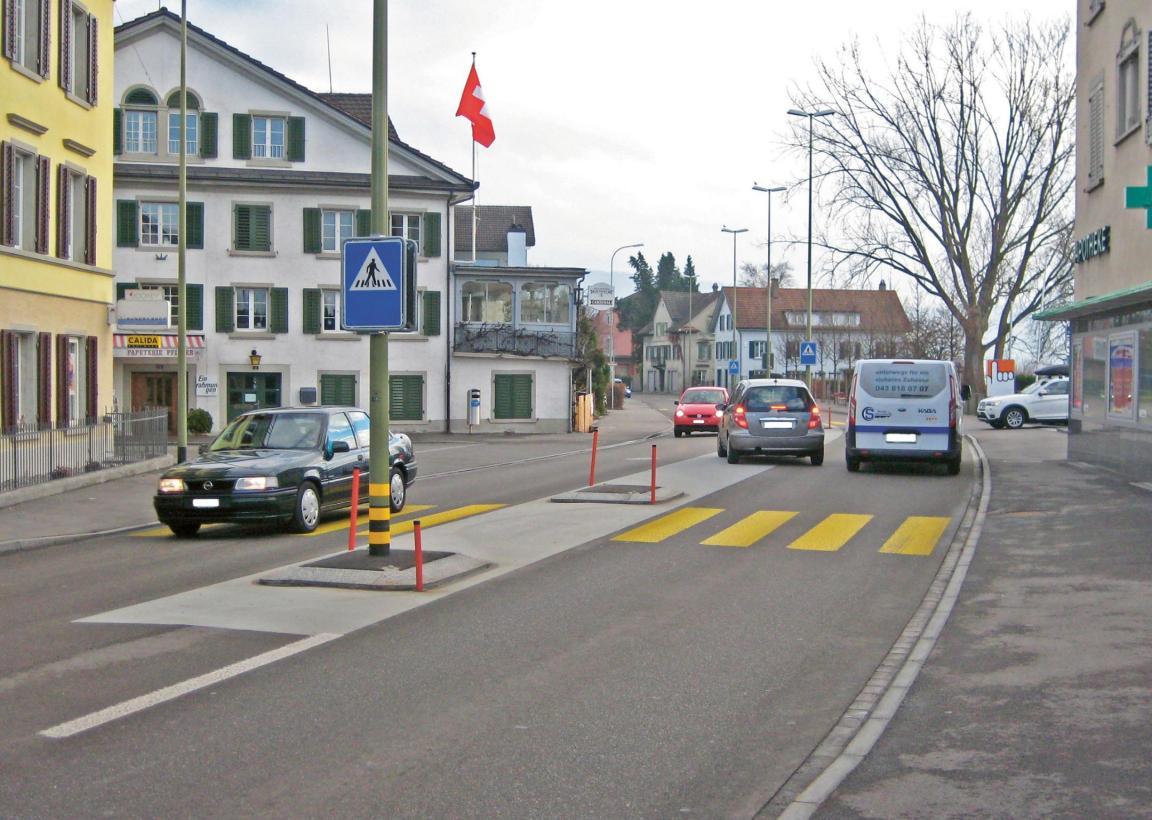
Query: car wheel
[677,433]
[954,466]
[306,514]
[997,425]
[733,456]
[397,492]
[1014,418]
[721,450]
[817,458]
[184,530]
[853,464]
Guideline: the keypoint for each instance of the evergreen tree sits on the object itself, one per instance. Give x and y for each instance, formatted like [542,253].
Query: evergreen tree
[667,274]
[689,276]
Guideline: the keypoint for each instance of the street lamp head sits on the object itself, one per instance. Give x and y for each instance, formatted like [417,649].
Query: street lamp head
[726,229]
[762,189]
[796,112]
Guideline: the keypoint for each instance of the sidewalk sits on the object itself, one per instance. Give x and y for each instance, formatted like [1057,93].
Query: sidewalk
[121,504]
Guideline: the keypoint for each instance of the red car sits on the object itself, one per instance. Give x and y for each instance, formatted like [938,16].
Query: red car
[696,410]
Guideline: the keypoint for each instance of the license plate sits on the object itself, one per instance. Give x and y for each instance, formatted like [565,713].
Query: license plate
[205,502]
[778,424]
[697,421]
[900,438]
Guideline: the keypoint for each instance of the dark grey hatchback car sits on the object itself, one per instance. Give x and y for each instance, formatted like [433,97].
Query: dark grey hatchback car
[287,465]
[771,417]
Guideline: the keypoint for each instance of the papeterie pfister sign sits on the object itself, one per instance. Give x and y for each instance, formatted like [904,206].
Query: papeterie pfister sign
[601,296]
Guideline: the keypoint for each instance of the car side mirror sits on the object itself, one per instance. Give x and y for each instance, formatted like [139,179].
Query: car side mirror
[965,391]
[331,448]
[202,449]
[721,407]
[1044,391]
[675,403]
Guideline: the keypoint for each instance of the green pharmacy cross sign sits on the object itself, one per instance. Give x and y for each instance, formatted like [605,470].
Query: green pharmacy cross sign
[1137,197]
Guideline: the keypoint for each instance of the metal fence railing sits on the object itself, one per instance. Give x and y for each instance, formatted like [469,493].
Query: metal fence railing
[30,454]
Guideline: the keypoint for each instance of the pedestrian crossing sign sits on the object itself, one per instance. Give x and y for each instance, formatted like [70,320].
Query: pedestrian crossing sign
[379,284]
[808,353]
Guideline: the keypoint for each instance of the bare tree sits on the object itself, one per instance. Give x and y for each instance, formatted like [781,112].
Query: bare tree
[954,167]
[753,276]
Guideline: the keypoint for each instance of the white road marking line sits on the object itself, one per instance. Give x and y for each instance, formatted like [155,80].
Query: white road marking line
[139,704]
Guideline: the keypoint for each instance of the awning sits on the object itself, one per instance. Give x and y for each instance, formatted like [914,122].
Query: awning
[153,345]
[1094,305]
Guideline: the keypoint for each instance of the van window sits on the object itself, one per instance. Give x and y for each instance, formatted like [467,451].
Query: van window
[908,381]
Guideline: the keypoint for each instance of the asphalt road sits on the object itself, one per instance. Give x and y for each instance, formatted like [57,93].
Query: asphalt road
[636,674]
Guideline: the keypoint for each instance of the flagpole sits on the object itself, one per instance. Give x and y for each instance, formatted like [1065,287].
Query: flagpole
[475,203]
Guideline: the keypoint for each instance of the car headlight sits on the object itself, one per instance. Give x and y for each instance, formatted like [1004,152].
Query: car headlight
[172,485]
[679,414]
[257,482]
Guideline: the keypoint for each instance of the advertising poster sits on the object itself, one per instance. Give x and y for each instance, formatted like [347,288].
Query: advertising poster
[1121,364]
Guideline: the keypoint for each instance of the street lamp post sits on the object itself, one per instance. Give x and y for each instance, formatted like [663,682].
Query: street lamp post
[611,313]
[811,115]
[735,328]
[688,352]
[768,282]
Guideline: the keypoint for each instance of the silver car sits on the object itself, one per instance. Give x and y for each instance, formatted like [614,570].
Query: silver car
[771,417]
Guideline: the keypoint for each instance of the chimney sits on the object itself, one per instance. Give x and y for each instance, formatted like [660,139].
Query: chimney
[883,285]
[517,247]
[715,287]
[775,282]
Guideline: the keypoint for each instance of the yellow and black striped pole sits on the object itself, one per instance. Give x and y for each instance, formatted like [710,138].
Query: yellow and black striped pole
[379,509]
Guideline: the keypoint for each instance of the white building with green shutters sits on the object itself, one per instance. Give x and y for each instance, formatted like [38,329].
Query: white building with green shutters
[278,177]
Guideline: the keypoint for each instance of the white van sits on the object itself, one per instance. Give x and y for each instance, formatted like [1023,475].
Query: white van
[905,410]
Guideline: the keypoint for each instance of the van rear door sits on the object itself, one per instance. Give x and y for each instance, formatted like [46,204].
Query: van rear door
[903,405]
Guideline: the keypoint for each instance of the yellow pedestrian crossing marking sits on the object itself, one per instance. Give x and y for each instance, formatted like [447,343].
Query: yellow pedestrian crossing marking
[426,521]
[916,536]
[668,525]
[362,516]
[832,533]
[748,531]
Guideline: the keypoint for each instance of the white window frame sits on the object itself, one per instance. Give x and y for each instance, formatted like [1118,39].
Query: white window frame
[336,232]
[136,138]
[167,221]
[191,136]
[22,188]
[1128,81]
[330,299]
[407,225]
[251,300]
[77,217]
[552,301]
[488,284]
[264,127]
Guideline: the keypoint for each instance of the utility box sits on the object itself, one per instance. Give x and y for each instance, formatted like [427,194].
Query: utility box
[474,407]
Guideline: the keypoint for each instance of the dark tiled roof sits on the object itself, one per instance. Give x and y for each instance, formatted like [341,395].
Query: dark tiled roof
[678,304]
[358,107]
[492,226]
[171,18]
[880,310]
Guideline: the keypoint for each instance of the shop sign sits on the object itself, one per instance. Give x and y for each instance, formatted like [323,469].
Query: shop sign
[601,296]
[1097,243]
[146,311]
[206,388]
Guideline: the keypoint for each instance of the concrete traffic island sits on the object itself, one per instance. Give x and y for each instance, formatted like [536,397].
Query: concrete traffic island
[395,571]
[617,494]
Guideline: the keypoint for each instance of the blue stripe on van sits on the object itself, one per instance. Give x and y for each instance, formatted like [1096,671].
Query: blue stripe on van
[896,428]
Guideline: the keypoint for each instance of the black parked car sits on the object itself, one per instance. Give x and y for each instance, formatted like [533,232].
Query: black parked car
[287,464]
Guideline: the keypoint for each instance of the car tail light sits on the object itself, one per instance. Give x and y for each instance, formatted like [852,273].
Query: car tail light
[951,402]
[814,421]
[739,417]
[777,407]
[852,411]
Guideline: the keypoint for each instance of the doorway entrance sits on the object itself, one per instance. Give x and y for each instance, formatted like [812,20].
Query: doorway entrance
[251,391]
[155,390]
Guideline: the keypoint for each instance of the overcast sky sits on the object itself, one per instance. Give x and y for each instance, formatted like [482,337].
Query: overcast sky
[617,121]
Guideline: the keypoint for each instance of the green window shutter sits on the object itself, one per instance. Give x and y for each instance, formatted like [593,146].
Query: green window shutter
[337,389]
[313,242]
[431,229]
[123,286]
[241,136]
[279,318]
[312,310]
[431,313]
[209,131]
[512,397]
[363,223]
[252,230]
[294,150]
[225,312]
[242,227]
[406,398]
[126,224]
[194,301]
[194,225]
[117,132]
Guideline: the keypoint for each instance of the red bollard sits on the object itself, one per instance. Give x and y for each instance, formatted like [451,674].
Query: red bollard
[653,474]
[419,557]
[592,470]
[355,508]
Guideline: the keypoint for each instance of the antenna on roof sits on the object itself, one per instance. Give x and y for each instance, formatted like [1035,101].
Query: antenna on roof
[328,39]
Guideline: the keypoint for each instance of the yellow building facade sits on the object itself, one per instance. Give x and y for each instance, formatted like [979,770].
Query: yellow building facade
[57,227]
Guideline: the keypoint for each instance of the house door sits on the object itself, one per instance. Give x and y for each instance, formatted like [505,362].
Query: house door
[155,390]
[251,391]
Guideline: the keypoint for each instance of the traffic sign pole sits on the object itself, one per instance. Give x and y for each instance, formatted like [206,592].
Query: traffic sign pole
[379,497]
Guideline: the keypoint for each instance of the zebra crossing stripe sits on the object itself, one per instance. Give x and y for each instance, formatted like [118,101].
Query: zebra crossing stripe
[749,530]
[832,533]
[666,526]
[426,521]
[342,523]
[918,535]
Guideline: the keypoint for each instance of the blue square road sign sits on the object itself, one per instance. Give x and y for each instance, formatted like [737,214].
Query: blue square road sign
[374,279]
[808,353]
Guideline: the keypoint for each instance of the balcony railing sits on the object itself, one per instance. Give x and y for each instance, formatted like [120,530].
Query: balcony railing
[33,455]
[517,341]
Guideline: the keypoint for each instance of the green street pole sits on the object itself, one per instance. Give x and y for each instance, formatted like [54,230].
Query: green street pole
[379,498]
[181,252]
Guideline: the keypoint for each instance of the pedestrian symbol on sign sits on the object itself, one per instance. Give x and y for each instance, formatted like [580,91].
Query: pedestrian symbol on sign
[808,353]
[373,275]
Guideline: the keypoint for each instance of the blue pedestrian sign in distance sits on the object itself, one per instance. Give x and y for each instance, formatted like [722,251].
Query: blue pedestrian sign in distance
[808,351]
[378,280]
[733,366]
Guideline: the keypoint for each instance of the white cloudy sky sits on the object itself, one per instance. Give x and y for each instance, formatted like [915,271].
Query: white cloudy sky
[618,121]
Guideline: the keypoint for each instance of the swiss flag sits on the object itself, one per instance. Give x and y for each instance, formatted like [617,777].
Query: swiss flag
[473,107]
